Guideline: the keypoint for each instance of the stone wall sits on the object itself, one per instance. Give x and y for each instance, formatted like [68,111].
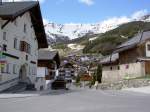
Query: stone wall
[134,83]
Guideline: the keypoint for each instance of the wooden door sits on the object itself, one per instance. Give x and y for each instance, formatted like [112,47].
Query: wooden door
[147,67]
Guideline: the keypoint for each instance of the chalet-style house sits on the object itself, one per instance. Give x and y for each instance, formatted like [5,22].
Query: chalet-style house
[131,59]
[48,64]
[22,34]
[66,71]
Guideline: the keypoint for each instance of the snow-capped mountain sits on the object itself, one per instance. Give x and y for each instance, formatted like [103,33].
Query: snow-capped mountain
[73,31]
[56,38]
[65,32]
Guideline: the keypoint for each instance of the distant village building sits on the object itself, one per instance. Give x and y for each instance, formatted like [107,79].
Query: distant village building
[67,71]
[48,65]
[22,34]
[130,60]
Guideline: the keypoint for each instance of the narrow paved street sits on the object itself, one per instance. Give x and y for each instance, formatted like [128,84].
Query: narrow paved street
[79,101]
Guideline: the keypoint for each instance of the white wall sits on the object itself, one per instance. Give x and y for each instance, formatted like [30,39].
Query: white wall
[131,70]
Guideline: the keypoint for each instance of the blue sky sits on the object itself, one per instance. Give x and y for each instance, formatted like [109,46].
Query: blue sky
[90,11]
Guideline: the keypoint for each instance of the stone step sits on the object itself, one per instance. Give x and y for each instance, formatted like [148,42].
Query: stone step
[20,87]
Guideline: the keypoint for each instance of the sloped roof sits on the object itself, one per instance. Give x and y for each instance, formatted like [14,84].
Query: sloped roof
[11,10]
[137,39]
[110,59]
[46,54]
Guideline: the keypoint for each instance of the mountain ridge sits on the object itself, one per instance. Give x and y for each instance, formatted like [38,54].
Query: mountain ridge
[65,32]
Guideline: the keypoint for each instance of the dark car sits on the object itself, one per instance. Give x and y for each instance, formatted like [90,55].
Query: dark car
[58,84]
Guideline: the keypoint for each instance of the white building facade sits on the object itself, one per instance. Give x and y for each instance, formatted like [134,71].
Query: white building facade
[19,49]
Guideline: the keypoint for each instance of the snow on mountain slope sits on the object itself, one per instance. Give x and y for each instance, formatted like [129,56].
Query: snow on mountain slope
[75,46]
[65,32]
[73,31]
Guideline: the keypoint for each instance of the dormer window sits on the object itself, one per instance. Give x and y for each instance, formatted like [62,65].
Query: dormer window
[25,28]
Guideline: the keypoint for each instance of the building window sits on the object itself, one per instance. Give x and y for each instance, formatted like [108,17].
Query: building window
[25,28]
[29,48]
[33,71]
[15,43]
[25,47]
[148,47]
[118,67]
[27,57]
[4,36]
[14,68]
[22,46]
[3,68]
[29,70]
[111,68]
[7,68]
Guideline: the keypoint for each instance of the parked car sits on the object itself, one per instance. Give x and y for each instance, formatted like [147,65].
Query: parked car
[58,84]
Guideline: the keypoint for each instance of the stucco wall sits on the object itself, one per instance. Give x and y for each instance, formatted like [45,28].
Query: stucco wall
[109,75]
[120,72]
[132,70]
[17,31]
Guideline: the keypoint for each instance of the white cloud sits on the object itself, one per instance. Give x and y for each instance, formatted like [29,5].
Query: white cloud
[87,2]
[113,22]
[139,14]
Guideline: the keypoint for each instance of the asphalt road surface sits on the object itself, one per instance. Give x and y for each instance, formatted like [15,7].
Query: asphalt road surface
[79,101]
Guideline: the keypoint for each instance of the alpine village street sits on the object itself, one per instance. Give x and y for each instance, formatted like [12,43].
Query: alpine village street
[74,56]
